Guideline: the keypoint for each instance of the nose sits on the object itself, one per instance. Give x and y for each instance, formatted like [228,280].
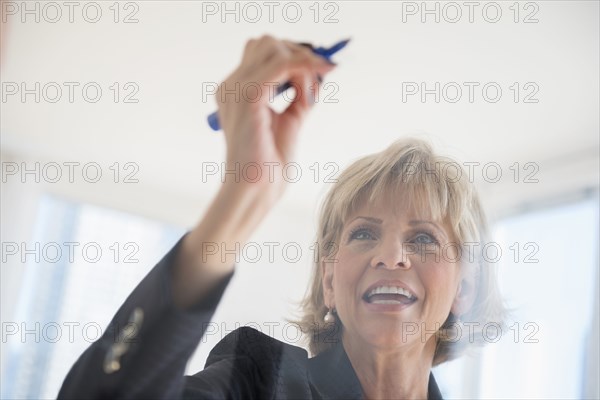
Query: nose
[391,254]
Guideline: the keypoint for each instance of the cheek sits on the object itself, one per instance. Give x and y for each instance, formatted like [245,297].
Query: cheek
[347,274]
[440,281]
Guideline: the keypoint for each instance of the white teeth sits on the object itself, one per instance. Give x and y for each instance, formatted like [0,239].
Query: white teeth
[390,290]
[386,302]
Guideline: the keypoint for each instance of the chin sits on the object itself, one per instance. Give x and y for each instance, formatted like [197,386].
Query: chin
[391,334]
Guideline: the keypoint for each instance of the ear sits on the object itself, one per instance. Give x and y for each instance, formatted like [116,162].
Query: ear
[465,295]
[327,275]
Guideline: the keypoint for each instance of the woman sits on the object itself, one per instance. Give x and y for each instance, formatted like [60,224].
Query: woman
[391,283]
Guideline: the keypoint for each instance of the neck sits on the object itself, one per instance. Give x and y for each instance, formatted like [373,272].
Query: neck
[384,373]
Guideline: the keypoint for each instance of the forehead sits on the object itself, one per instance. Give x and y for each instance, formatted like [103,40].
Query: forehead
[394,204]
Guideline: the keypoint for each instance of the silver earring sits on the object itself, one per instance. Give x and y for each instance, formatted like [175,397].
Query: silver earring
[329,317]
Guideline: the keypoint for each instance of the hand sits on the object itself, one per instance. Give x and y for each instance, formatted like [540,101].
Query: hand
[253,131]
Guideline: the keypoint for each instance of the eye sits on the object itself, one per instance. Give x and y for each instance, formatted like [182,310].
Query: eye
[361,233]
[425,238]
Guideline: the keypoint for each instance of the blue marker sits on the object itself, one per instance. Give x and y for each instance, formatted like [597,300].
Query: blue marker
[213,119]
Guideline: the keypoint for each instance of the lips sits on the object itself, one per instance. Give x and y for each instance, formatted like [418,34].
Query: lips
[389,292]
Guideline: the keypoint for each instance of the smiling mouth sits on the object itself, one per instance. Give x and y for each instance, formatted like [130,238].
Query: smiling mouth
[389,295]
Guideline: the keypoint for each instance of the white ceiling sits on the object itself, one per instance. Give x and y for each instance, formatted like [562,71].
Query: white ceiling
[171,52]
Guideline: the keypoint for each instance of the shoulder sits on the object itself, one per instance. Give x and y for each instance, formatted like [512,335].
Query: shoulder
[247,342]
[250,364]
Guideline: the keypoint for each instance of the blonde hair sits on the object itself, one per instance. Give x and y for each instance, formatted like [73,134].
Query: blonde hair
[407,169]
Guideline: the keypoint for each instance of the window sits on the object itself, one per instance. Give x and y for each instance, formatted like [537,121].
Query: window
[59,314]
[548,274]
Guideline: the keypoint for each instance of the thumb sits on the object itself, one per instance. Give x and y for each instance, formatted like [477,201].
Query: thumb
[304,99]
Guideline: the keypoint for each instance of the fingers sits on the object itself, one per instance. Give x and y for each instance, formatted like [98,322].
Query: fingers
[273,60]
[297,59]
[258,51]
[269,62]
[305,96]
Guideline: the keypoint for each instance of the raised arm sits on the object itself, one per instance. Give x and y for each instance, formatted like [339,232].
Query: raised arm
[255,135]
[145,349]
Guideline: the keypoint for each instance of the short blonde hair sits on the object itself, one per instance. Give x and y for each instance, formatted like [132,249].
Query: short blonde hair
[407,168]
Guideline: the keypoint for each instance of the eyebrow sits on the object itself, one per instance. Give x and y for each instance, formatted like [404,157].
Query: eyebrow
[376,220]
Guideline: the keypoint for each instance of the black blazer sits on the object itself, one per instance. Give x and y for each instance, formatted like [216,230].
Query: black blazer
[144,351]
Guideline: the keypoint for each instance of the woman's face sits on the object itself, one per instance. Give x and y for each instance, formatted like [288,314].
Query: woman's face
[395,276]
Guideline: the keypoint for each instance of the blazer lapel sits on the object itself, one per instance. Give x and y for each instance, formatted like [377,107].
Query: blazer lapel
[433,391]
